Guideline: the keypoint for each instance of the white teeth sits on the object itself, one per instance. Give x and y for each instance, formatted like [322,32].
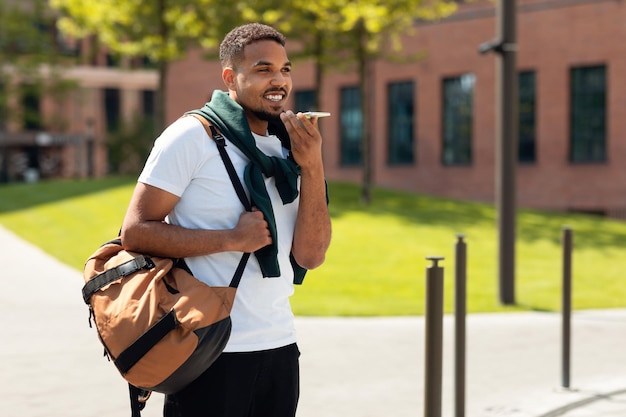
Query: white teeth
[274,97]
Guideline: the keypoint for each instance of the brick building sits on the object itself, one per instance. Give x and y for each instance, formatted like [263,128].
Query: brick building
[65,136]
[434,127]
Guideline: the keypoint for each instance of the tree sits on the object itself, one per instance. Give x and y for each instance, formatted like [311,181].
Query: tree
[344,32]
[30,57]
[330,31]
[161,30]
[372,26]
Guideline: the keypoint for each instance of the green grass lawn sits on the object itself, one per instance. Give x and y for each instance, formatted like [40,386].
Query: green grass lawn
[377,260]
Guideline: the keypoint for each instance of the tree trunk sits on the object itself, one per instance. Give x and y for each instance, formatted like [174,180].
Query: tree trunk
[366,140]
[161,95]
[319,70]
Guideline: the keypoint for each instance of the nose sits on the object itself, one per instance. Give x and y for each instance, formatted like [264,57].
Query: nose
[279,79]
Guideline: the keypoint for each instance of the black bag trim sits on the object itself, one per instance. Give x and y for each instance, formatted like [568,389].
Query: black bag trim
[211,342]
[132,354]
[105,278]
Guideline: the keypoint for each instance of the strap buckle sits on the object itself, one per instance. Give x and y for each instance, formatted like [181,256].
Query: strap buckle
[217,136]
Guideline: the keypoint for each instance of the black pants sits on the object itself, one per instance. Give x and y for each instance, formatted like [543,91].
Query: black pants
[249,384]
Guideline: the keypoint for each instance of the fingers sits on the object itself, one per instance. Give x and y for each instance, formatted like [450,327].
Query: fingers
[254,230]
[299,123]
[255,219]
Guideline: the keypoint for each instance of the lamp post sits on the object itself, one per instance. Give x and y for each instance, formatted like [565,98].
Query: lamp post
[507,127]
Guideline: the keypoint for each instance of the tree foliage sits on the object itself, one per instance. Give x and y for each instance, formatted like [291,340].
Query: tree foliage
[338,34]
[161,30]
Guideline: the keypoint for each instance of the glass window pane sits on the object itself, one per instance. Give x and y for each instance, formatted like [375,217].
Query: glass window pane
[31,102]
[112,109]
[305,101]
[527,94]
[148,103]
[588,114]
[350,102]
[458,95]
[3,106]
[401,109]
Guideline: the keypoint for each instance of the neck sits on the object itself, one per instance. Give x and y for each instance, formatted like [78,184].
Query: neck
[256,125]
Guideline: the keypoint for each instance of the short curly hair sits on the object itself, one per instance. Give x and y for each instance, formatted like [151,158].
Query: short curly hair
[233,44]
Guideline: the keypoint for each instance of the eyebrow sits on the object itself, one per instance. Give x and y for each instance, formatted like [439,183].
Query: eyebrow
[267,63]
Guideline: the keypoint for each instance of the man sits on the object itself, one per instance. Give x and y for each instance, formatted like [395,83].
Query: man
[184,206]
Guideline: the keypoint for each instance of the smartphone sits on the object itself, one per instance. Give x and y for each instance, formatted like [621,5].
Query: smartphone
[310,114]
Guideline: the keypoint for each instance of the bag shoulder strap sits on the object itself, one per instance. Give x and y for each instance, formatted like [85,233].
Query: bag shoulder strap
[234,178]
[221,147]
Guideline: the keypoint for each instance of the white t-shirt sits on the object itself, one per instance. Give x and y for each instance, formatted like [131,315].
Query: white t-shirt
[185,161]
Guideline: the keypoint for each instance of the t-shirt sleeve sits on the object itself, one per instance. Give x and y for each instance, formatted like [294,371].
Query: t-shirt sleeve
[175,156]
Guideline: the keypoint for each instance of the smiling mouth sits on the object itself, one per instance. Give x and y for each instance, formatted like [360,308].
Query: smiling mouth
[275,97]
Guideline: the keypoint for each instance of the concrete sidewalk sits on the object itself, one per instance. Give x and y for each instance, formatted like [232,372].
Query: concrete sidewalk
[52,366]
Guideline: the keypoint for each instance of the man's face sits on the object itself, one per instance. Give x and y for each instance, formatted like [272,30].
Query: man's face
[261,83]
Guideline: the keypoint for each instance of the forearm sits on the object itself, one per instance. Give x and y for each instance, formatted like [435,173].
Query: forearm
[313,227]
[145,231]
[162,239]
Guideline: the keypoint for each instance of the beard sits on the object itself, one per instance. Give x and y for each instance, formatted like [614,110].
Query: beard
[266,116]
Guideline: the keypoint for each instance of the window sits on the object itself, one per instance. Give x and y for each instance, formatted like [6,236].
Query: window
[526,146]
[31,107]
[350,125]
[148,103]
[305,100]
[457,119]
[148,107]
[3,106]
[113,60]
[588,114]
[400,105]
[147,63]
[112,109]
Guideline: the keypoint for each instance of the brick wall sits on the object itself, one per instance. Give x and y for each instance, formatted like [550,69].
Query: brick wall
[553,36]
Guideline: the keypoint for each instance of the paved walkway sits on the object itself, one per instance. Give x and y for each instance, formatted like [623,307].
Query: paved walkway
[51,362]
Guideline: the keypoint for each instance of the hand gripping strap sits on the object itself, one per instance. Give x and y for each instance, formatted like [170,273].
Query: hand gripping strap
[105,278]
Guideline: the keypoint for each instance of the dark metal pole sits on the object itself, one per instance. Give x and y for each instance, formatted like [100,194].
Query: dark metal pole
[434,338]
[460,297]
[507,128]
[566,240]
[507,138]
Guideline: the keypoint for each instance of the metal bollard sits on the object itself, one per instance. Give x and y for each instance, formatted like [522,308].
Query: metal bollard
[434,338]
[460,310]
[566,305]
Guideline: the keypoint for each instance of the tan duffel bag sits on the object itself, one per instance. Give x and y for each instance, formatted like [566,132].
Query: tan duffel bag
[160,325]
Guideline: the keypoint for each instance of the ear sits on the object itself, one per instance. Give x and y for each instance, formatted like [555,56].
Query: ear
[228,76]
